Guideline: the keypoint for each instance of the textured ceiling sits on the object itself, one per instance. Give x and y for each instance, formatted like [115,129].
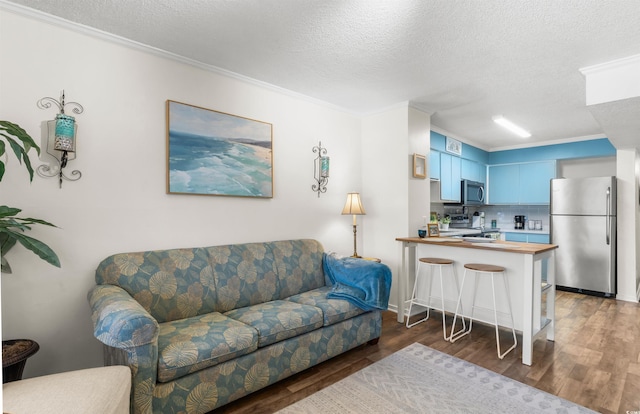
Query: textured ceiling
[462,60]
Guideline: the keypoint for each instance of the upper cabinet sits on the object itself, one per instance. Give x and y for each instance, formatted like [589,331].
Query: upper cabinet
[449,177]
[434,165]
[518,176]
[504,181]
[526,183]
[535,179]
[474,171]
[450,168]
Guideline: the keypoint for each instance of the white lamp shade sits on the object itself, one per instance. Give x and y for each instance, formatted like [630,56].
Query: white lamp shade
[353,205]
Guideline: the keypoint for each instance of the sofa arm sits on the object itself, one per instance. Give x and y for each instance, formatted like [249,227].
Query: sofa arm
[131,336]
[119,320]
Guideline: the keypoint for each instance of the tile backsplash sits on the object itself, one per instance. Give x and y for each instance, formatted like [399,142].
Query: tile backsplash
[503,214]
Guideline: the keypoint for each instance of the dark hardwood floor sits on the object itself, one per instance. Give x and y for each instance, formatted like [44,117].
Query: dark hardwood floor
[594,361]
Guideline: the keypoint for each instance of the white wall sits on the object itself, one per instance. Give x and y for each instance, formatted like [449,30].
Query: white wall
[120,203]
[397,200]
[587,167]
[419,188]
[385,187]
[628,215]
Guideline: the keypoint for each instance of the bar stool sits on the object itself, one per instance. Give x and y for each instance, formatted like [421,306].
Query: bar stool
[421,298]
[484,270]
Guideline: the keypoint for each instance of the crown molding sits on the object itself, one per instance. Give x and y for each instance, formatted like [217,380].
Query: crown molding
[613,64]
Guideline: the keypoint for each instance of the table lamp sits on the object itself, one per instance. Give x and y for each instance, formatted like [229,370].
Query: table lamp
[355,208]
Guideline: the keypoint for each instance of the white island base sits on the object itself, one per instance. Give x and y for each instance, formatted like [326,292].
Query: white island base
[532,295]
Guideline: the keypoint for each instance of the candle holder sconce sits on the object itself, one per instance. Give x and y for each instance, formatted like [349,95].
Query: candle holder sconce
[60,140]
[320,169]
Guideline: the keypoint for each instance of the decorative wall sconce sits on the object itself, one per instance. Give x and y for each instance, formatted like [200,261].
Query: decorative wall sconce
[320,169]
[61,139]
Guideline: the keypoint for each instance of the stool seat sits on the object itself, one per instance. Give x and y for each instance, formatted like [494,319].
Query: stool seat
[435,260]
[480,267]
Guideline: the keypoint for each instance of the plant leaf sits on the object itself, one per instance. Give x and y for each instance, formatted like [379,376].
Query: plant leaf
[21,155]
[42,250]
[6,243]
[6,211]
[36,221]
[4,267]
[21,134]
[16,136]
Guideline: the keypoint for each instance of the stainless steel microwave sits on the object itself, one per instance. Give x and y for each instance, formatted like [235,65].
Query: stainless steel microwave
[472,192]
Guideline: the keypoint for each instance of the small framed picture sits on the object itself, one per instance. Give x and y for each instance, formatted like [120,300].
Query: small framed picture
[432,229]
[433,217]
[419,166]
[453,146]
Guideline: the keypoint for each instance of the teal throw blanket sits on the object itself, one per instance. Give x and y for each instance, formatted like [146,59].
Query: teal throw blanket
[362,282]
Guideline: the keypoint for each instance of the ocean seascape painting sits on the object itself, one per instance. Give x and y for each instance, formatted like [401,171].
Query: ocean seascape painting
[213,153]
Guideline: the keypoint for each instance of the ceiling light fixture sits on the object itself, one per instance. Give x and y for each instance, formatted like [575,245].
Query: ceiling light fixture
[500,120]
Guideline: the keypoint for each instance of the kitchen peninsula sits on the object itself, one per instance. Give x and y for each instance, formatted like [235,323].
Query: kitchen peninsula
[532,293]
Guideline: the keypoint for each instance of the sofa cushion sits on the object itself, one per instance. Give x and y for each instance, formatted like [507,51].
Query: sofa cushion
[170,284]
[334,310]
[189,345]
[245,275]
[278,320]
[299,264]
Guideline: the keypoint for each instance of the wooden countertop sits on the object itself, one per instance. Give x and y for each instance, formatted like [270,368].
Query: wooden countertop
[498,245]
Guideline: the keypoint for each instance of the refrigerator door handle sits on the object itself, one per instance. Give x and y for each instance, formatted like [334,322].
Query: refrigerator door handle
[608,215]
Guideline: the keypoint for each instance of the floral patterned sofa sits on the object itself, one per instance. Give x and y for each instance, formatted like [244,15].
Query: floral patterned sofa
[201,327]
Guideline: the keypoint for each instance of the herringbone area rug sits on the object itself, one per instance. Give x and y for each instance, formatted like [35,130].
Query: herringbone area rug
[418,379]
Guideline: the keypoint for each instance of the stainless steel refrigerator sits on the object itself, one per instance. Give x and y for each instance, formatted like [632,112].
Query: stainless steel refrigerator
[583,225]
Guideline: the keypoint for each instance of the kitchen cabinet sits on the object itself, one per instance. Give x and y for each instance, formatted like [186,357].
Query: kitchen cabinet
[535,182]
[449,177]
[503,183]
[474,171]
[527,183]
[526,237]
[434,165]
[516,237]
[538,238]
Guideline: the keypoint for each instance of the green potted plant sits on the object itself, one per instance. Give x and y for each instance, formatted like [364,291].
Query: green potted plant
[444,223]
[12,228]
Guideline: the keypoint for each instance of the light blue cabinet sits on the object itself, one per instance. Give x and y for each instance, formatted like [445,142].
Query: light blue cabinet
[527,237]
[434,165]
[535,182]
[449,177]
[538,238]
[527,183]
[474,171]
[516,237]
[503,184]
[455,179]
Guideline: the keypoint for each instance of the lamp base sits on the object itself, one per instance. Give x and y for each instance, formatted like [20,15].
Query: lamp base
[355,232]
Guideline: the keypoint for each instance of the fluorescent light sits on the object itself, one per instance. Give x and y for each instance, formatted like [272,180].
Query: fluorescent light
[511,126]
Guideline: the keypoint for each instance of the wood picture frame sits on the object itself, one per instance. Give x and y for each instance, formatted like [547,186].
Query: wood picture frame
[419,166]
[433,230]
[215,153]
